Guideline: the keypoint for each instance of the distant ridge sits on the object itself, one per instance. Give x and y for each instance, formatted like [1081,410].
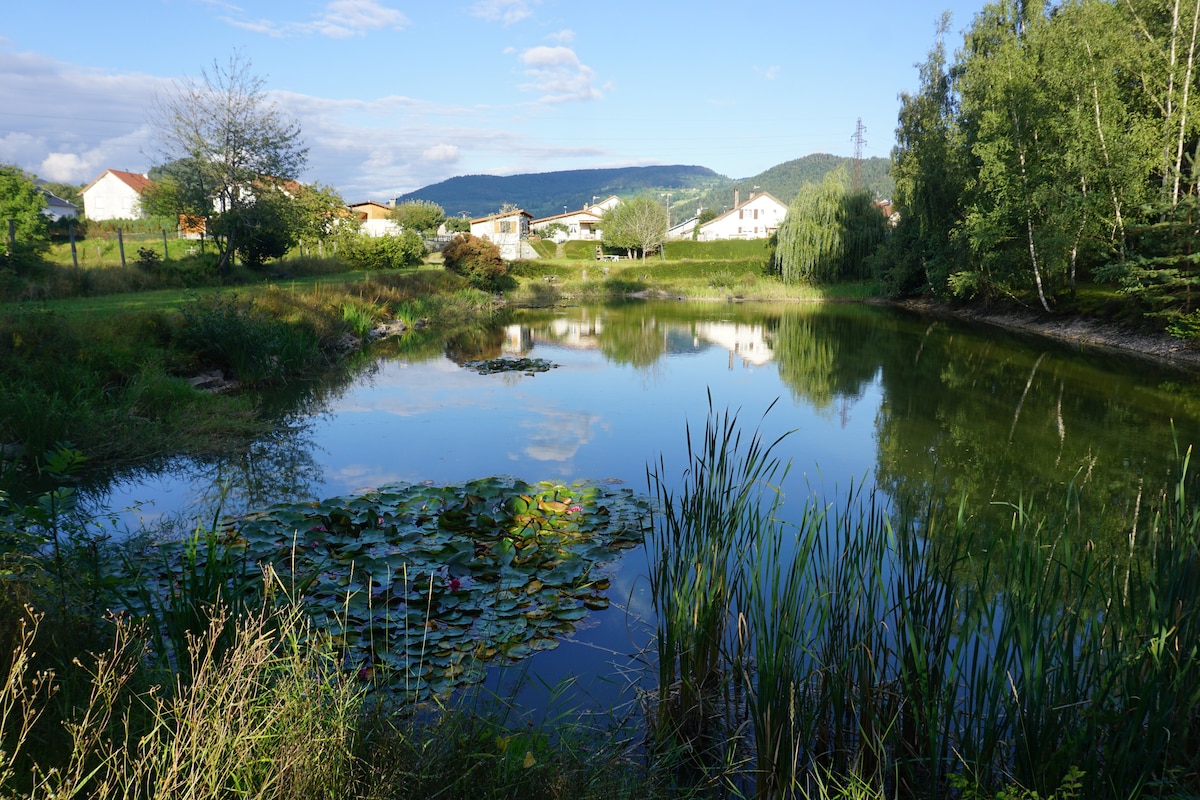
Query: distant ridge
[544,194]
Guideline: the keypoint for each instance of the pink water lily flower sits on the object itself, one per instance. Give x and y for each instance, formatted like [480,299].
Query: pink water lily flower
[574,509]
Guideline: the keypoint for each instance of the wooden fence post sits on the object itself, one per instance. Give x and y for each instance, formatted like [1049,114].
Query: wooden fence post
[121,245]
[166,255]
[74,254]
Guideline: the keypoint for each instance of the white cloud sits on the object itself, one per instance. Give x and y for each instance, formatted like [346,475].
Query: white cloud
[341,19]
[504,11]
[558,75]
[66,167]
[565,36]
[442,153]
[770,73]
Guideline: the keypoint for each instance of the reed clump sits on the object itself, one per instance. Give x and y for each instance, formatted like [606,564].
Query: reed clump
[911,652]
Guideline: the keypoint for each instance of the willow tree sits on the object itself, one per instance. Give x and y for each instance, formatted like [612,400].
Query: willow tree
[828,233]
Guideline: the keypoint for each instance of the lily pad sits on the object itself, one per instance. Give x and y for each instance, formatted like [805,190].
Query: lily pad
[424,584]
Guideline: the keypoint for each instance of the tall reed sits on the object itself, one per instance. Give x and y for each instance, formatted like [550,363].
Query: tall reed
[912,653]
[700,535]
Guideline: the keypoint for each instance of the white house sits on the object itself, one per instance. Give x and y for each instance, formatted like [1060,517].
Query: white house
[57,208]
[375,219]
[757,218]
[582,224]
[115,195]
[508,230]
[683,230]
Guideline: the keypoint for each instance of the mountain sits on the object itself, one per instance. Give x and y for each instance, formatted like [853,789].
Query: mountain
[544,194]
[784,180]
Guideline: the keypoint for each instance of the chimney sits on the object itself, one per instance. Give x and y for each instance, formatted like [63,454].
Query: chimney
[735,198]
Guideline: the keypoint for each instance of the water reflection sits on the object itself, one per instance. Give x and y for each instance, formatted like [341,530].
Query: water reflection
[925,408]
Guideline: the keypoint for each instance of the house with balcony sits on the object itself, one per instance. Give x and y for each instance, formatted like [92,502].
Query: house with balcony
[756,218]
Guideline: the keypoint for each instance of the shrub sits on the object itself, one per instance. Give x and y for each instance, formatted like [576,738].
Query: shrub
[474,258]
[383,252]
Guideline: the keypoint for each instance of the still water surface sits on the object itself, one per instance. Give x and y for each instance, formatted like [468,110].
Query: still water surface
[917,406]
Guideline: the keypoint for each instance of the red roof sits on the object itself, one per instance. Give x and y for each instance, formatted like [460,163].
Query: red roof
[139,183]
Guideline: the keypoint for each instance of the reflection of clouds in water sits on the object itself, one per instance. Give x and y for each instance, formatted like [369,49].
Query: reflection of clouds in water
[359,478]
[558,435]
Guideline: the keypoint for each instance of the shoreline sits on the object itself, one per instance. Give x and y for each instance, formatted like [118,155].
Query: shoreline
[1080,331]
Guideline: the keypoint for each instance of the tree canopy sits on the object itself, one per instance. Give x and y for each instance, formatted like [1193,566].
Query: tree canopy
[828,233]
[22,203]
[637,224]
[422,216]
[223,135]
[1061,143]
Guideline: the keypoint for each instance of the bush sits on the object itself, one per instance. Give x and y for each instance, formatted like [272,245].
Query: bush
[477,260]
[383,252]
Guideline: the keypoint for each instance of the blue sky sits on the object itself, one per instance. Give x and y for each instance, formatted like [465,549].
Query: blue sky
[392,95]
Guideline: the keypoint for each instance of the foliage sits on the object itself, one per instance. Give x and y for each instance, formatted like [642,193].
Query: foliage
[264,229]
[253,346]
[828,233]
[223,137]
[321,213]
[1022,165]
[420,216]
[637,224]
[405,249]
[21,203]
[474,258]
[458,225]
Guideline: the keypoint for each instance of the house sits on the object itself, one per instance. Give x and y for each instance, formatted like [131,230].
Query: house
[508,230]
[683,230]
[757,218]
[115,195]
[57,208]
[375,219]
[583,224]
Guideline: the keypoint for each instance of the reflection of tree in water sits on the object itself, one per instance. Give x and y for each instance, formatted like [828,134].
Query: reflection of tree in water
[638,341]
[475,344]
[826,354]
[988,418]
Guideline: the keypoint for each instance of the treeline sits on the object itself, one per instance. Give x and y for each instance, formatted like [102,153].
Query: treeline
[1059,146]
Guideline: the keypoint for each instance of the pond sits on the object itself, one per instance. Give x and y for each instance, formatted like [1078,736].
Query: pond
[917,406]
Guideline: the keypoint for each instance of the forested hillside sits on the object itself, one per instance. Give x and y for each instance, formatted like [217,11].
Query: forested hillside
[1058,146]
[544,194]
[784,180]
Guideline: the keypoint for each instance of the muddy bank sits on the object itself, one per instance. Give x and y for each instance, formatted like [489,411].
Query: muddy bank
[1079,331]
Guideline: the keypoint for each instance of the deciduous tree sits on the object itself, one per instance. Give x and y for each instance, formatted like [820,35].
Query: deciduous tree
[422,216]
[21,202]
[637,224]
[224,134]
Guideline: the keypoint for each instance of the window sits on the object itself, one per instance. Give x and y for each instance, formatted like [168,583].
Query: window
[741,215]
[505,226]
